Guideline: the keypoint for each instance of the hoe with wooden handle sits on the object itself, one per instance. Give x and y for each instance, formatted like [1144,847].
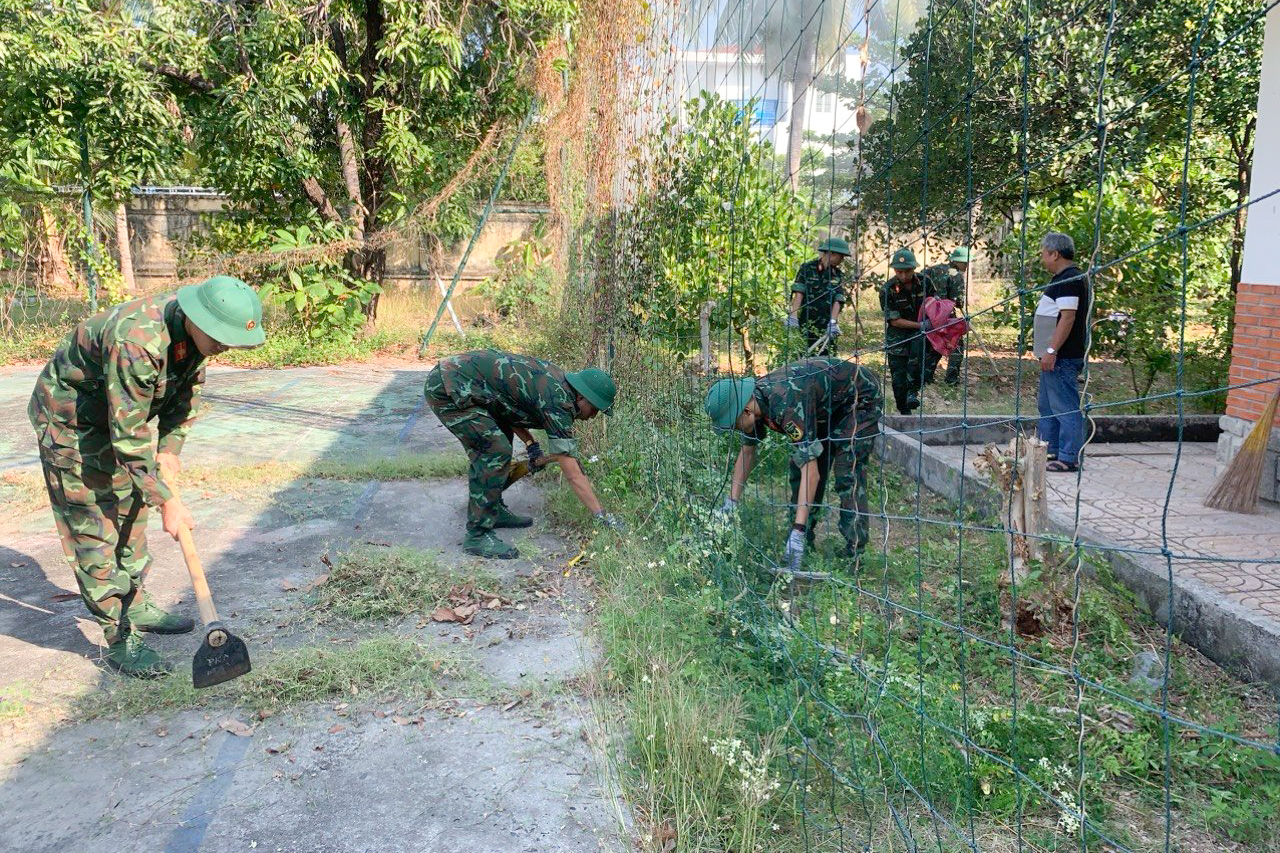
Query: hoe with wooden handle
[223,656]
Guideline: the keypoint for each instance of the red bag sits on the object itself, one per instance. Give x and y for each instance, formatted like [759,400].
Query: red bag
[945,329]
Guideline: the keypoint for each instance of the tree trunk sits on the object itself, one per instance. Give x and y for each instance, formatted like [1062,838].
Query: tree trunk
[1243,151]
[52,270]
[372,261]
[125,250]
[351,177]
[801,82]
[748,353]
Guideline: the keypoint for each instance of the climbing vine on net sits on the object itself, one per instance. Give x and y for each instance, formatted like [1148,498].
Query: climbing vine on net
[944,691]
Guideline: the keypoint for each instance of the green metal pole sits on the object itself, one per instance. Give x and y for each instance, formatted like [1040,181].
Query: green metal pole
[475,234]
[90,248]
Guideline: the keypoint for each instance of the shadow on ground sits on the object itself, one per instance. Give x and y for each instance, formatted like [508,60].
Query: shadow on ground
[479,771]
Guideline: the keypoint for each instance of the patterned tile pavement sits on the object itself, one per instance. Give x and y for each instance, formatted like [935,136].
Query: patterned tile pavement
[1130,494]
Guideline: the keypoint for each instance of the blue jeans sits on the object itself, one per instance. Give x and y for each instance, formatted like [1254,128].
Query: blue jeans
[1061,421]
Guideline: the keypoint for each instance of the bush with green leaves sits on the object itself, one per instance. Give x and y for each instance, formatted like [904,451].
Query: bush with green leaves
[310,283]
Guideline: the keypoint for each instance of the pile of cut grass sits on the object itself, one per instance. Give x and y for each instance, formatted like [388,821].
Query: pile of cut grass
[384,583]
[380,665]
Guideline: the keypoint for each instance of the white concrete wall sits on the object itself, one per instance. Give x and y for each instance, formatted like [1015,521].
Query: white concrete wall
[1262,236]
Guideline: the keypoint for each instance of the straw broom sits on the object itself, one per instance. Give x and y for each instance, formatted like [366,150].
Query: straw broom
[1237,488]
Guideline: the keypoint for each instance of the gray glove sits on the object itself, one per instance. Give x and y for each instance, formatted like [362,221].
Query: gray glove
[925,325]
[609,520]
[792,322]
[833,329]
[537,459]
[794,554]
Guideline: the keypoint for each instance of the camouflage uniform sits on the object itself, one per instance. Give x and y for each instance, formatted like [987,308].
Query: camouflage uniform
[819,289]
[904,348]
[830,410]
[480,397]
[948,283]
[91,409]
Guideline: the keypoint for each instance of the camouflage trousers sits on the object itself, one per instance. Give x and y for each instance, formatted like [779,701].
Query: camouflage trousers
[102,522]
[906,361]
[850,458]
[488,445]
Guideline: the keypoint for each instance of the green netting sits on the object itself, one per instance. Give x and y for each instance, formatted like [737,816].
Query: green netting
[936,692]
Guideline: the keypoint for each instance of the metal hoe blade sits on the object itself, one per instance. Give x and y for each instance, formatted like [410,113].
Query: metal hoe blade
[221,657]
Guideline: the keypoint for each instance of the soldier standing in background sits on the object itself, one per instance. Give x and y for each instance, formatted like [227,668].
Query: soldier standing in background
[830,411]
[948,283]
[486,397]
[92,406]
[818,294]
[904,341]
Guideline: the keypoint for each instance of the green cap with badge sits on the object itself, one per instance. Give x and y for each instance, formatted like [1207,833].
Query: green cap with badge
[960,255]
[903,259]
[596,386]
[726,399]
[226,309]
[835,244]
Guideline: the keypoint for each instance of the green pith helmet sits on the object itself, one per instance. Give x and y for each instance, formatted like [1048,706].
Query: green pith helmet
[726,399]
[596,385]
[960,255]
[835,244]
[903,259]
[226,309]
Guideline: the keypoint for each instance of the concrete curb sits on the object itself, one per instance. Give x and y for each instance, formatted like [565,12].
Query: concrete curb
[1236,638]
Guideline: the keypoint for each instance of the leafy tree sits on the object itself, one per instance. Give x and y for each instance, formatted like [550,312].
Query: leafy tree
[716,223]
[362,116]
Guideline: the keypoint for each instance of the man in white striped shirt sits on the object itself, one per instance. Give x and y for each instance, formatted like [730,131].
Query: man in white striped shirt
[1060,334]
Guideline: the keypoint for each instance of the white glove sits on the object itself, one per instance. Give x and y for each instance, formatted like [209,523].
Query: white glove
[833,329]
[792,322]
[794,554]
[723,513]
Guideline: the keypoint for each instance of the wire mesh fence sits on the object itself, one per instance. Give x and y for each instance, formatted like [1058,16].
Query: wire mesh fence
[952,679]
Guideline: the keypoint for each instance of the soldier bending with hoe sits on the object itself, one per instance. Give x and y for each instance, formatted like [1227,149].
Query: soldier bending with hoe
[830,410]
[484,398]
[138,362]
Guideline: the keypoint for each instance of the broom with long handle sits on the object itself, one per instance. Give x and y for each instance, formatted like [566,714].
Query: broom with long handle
[1237,488]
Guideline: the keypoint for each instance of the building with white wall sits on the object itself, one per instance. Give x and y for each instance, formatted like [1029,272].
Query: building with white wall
[1255,352]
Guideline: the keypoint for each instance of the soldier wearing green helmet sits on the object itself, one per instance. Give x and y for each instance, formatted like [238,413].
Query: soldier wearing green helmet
[830,411]
[92,409]
[487,396]
[904,341]
[949,283]
[818,294]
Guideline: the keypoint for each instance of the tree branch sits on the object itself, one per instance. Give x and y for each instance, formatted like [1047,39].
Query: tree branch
[187,78]
[319,199]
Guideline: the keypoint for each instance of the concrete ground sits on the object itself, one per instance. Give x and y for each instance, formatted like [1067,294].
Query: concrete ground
[1138,506]
[504,761]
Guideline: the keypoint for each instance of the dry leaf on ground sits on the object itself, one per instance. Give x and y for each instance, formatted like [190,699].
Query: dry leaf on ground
[236,728]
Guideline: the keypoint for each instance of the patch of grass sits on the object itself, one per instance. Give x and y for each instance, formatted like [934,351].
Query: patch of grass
[408,466]
[22,492]
[382,583]
[377,666]
[896,683]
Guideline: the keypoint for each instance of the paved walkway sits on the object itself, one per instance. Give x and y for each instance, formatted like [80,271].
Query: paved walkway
[1123,493]
[1133,511]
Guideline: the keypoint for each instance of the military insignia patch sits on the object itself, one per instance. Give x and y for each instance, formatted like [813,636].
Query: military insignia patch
[793,431]
[180,351]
